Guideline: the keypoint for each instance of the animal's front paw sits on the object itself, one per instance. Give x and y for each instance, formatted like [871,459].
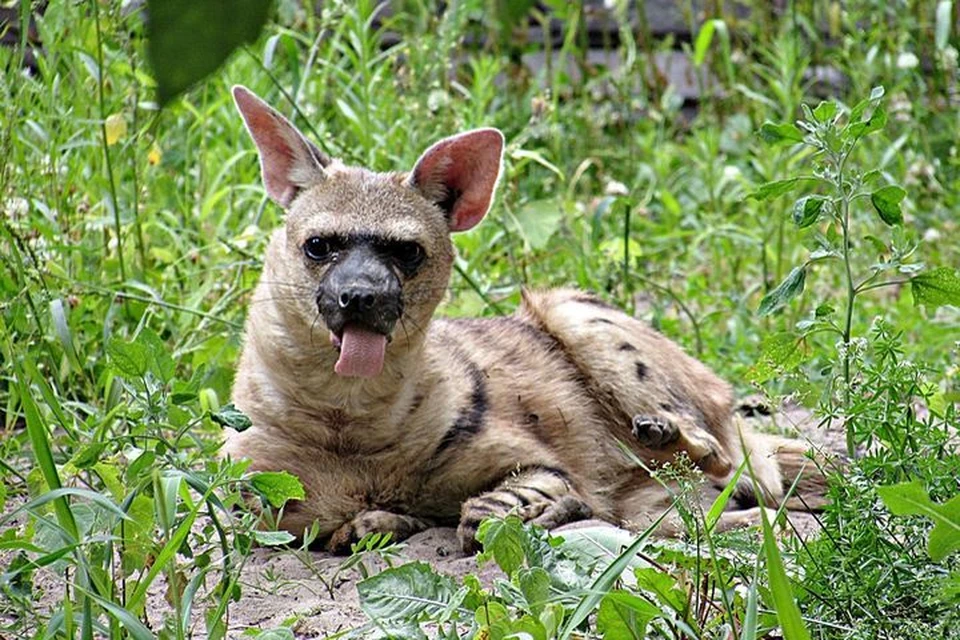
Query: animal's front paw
[654,432]
[546,514]
[400,525]
[478,508]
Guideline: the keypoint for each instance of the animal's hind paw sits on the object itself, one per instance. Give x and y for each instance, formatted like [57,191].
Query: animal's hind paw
[654,432]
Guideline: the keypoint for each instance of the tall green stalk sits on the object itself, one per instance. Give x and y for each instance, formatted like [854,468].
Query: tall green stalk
[106,147]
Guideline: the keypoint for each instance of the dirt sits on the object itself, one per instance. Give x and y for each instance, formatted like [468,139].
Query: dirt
[310,593]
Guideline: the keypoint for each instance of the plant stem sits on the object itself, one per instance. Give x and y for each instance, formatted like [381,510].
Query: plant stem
[851,298]
[141,245]
[106,147]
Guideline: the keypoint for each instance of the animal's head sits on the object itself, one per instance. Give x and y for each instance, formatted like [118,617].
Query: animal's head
[370,253]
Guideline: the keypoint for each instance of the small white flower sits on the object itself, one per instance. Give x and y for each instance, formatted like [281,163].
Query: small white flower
[950,57]
[907,60]
[616,188]
[731,172]
[16,207]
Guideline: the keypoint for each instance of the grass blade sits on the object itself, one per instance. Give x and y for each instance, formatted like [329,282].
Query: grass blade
[40,443]
[601,586]
[716,509]
[788,613]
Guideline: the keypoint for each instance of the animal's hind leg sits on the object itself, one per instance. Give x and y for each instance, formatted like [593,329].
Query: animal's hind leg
[666,435]
[539,494]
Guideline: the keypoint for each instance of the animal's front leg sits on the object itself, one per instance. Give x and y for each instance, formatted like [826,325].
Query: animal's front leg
[539,494]
[399,524]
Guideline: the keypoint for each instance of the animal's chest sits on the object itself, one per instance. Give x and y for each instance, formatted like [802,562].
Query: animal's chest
[387,480]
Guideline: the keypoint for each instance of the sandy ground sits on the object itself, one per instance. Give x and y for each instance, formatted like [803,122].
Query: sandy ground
[305,590]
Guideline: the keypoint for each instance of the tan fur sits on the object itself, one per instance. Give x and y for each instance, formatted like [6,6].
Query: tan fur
[557,385]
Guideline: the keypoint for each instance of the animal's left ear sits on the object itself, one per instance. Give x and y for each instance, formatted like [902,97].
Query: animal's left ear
[460,174]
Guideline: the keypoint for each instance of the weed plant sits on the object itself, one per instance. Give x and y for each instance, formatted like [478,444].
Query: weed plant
[132,236]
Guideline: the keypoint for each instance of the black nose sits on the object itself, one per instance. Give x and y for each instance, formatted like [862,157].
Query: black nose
[357,299]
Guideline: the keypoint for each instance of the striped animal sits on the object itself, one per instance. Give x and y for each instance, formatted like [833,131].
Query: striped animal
[395,421]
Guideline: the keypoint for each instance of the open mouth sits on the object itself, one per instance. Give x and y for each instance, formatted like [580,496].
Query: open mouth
[361,352]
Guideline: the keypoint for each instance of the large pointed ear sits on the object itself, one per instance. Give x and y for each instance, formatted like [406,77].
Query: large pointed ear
[289,162]
[460,175]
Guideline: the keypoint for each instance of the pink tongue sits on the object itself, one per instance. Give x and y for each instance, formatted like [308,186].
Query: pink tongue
[361,353]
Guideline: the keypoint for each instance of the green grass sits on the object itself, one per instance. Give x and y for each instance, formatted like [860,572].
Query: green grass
[129,250]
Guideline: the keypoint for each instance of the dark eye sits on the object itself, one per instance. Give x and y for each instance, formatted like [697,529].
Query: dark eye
[319,249]
[407,255]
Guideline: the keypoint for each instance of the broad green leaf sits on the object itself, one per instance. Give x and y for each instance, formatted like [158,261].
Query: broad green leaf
[230,416]
[272,538]
[778,352]
[277,487]
[502,539]
[183,46]
[911,499]
[138,539]
[945,535]
[784,133]
[490,613]
[537,221]
[88,455]
[876,122]
[534,583]
[790,288]
[524,628]
[878,245]
[825,111]
[595,544]
[663,585]
[408,592]
[807,210]
[160,363]
[777,188]
[824,310]
[886,201]
[280,633]
[624,616]
[130,359]
[936,288]
[858,127]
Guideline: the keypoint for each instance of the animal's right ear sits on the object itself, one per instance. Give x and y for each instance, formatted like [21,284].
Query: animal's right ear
[289,162]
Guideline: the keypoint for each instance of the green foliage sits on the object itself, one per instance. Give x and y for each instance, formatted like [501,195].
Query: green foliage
[277,487]
[935,288]
[910,499]
[187,40]
[132,237]
[790,288]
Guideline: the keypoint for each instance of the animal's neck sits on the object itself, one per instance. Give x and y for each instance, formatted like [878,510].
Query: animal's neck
[306,375]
